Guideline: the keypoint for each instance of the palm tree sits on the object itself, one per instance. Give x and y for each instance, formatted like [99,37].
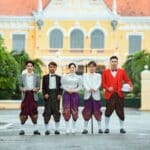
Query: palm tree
[134,65]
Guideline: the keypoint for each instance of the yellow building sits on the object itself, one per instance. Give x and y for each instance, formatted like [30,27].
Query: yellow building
[75,30]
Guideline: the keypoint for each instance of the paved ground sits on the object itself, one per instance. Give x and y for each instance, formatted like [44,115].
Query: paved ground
[137,138]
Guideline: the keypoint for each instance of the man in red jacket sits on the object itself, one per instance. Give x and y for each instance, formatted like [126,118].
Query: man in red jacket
[112,82]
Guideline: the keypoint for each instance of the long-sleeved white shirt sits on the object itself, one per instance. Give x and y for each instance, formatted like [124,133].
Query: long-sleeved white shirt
[30,81]
[92,81]
[71,82]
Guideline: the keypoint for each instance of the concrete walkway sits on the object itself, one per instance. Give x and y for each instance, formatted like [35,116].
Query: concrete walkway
[137,137]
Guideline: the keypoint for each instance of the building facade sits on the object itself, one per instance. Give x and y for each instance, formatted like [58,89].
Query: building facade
[75,30]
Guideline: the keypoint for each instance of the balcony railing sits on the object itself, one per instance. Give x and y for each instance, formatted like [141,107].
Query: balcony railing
[72,52]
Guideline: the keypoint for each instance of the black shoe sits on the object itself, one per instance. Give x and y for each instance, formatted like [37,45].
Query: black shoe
[106,131]
[85,131]
[122,131]
[21,132]
[100,131]
[36,132]
[47,132]
[57,132]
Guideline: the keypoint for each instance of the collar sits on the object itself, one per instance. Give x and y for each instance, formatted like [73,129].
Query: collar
[52,75]
[114,70]
[30,74]
[91,73]
[72,74]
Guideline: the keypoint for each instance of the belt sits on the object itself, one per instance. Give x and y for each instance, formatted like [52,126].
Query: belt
[51,90]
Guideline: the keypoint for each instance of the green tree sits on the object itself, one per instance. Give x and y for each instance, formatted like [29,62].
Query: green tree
[8,72]
[134,65]
[21,58]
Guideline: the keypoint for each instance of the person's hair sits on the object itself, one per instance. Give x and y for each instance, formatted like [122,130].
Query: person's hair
[29,62]
[52,63]
[92,63]
[72,64]
[113,57]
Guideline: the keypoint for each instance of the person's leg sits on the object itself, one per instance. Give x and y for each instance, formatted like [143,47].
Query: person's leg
[34,120]
[110,106]
[56,112]
[47,115]
[66,110]
[107,120]
[23,114]
[87,114]
[120,113]
[33,112]
[74,109]
[22,120]
[46,124]
[98,114]
[86,125]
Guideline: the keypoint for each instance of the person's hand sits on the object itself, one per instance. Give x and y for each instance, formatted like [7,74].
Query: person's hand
[23,89]
[92,90]
[46,96]
[110,89]
[131,88]
[34,89]
[70,91]
[58,97]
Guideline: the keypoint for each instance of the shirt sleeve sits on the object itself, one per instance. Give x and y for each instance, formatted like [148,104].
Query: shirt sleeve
[104,81]
[64,83]
[20,83]
[38,83]
[85,84]
[126,79]
[79,84]
[98,83]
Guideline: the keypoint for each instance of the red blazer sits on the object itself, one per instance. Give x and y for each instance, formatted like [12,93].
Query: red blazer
[116,82]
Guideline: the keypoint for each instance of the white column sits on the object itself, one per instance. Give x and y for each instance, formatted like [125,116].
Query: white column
[145,91]
[40,6]
[114,7]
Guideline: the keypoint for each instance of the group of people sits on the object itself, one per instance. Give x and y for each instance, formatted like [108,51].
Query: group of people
[67,88]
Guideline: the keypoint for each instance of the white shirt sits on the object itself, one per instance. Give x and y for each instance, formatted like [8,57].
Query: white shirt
[24,71]
[114,73]
[71,82]
[91,81]
[52,81]
[30,81]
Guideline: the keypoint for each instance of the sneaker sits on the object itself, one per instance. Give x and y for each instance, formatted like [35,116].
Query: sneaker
[122,131]
[73,130]
[100,131]
[21,132]
[36,132]
[85,131]
[67,131]
[47,132]
[57,132]
[107,131]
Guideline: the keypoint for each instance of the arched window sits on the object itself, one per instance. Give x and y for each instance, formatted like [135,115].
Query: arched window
[18,41]
[77,39]
[56,39]
[97,39]
[135,43]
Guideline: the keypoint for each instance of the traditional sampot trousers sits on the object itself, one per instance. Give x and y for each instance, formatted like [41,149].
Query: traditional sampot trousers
[115,103]
[29,108]
[52,107]
[92,107]
[70,105]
